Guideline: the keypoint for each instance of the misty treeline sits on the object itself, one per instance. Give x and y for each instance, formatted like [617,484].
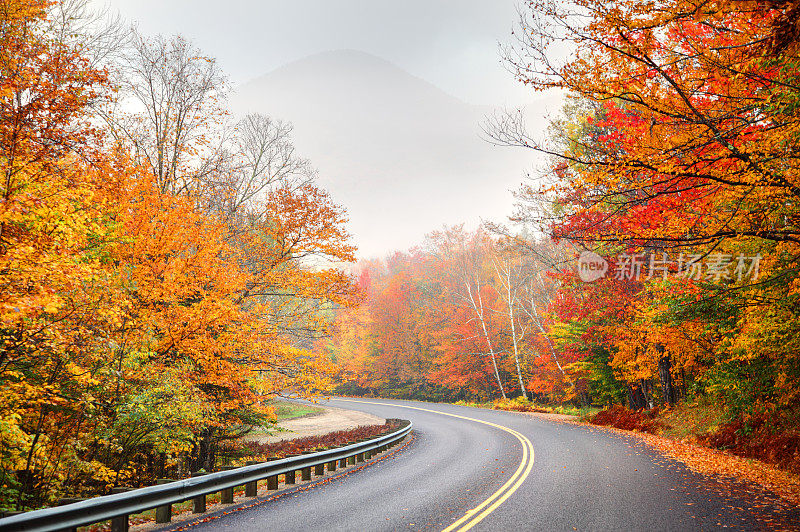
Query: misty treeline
[155,287]
[463,316]
[675,159]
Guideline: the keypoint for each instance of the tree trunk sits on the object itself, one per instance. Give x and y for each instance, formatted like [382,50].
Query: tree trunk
[585,399]
[479,313]
[505,279]
[667,387]
[647,392]
[683,389]
[516,352]
[27,473]
[160,465]
[636,399]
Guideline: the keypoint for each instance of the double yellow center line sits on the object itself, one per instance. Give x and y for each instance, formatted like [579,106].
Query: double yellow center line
[477,514]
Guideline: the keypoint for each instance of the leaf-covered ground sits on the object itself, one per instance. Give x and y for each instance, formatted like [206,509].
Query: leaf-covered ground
[774,495]
[722,466]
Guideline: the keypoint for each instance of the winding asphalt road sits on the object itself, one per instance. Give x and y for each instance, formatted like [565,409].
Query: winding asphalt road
[480,474]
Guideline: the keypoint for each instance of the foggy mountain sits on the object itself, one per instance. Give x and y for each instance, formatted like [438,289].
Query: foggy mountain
[401,155]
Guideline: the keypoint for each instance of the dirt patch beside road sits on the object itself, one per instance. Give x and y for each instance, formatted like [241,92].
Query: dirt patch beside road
[552,417]
[330,420]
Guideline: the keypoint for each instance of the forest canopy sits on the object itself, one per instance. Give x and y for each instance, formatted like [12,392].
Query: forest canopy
[164,268]
[655,258]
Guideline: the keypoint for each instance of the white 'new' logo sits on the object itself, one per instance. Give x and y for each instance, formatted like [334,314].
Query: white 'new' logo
[591,267]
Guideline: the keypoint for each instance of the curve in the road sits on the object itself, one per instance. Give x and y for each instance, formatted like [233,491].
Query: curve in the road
[455,476]
[469,519]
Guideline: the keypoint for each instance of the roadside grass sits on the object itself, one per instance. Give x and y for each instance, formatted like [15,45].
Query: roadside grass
[686,421]
[700,434]
[519,404]
[583,412]
[486,404]
[285,410]
[289,410]
[761,436]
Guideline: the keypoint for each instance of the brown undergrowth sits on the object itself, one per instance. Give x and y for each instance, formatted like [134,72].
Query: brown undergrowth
[755,437]
[251,450]
[622,418]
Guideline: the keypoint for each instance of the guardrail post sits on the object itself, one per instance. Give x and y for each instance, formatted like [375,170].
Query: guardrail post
[319,469]
[70,500]
[164,513]
[251,488]
[305,473]
[290,477]
[119,523]
[272,482]
[359,458]
[226,495]
[199,502]
[332,466]
[351,460]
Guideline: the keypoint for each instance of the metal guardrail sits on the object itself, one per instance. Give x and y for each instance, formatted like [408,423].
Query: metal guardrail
[119,506]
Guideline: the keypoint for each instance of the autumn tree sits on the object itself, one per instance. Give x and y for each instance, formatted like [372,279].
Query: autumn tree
[57,305]
[512,275]
[139,325]
[681,142]
[465,257]
[257,158]
[169,110]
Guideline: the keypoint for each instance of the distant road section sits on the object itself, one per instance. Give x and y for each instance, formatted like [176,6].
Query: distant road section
[473,469]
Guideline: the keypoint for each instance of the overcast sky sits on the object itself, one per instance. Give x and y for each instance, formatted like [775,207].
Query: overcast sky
[442,176]
[451,43]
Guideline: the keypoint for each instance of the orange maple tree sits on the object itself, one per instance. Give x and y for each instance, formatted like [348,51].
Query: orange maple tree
[139,327]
